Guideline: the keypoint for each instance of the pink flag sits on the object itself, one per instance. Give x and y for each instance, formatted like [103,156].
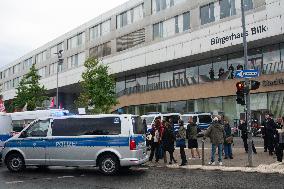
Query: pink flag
[52,103]
[2,106]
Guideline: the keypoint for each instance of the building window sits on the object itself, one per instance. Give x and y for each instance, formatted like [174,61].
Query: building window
[276,103]
[41,72]
[153,77]
[120,85]
[130,16]
[56,49]
[159,5]
[220,68]
[179,106]
[186,21]
[248,4]
[41,57]
[100,30]
[207,13]
[158,30]
[76,60]
[130,40]
[76,41]
[206,72]
[28,63]
[271,60]
[101,50]
[227,8]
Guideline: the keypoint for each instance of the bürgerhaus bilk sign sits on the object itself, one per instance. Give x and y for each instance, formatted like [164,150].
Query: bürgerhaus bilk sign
[268,83]
[256,30]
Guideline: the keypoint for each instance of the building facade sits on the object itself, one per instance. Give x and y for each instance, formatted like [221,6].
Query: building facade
[169,56]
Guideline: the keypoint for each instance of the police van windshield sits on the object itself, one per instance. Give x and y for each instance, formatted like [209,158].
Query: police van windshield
[175,118]
[185,118]
[205,119]
[149,120]
[138,127]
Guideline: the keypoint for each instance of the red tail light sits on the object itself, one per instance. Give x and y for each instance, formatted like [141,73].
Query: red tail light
[132,144]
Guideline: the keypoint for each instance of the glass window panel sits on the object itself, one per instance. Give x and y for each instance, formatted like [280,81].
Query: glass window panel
[276,103]
[204,72]
[235,62]
[255,59]
[258,101]
[213,105]
[120,85]
[166,76]
[186,21]
[53,50]
[81,58]
[248,4]
[74,42]
[192,74]
[220,68]
[271,59]
[207,13]
[176,25]
[151,108]
[169,27]
[141,79]
[227,8]
[231,109]
[199,105]
[105,27]
[179,106]
[156,31]
[281,64]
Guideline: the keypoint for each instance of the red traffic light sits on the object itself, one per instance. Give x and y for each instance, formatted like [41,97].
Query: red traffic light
[240,86]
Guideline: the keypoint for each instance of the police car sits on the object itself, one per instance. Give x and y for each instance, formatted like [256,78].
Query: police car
[110,142]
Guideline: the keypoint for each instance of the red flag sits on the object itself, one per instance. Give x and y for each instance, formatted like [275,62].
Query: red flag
[52,103]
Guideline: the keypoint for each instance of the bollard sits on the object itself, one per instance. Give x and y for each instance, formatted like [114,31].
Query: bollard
[203,161]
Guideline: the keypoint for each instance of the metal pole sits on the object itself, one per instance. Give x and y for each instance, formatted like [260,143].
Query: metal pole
[203,160]
[57,87]
[248,111]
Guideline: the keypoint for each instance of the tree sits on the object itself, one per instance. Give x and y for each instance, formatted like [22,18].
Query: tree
[29,92]
[98,88]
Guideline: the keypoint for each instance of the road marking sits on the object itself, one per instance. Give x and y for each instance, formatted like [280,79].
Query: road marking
[15,182]
[65,177]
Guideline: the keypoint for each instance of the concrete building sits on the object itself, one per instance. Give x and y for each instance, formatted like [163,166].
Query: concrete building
[169,56]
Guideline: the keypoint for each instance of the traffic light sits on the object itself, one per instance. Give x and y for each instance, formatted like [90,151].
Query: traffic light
[240,93]
[254,85]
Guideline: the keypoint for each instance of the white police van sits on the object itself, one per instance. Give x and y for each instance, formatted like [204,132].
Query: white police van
[109,142]
[203,120]
[5,128]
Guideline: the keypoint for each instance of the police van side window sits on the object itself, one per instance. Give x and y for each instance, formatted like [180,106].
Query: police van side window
[38,129]
[86,126]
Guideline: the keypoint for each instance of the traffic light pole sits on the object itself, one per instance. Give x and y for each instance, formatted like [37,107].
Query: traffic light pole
[248,110]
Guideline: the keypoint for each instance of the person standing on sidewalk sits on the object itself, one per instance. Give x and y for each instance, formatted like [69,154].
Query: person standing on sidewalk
[263,132]
[191,133]
[168,142]
[244,130]
[156,139]
[270,133]
[228,140]
[216,134]
[181,137]
[280,142]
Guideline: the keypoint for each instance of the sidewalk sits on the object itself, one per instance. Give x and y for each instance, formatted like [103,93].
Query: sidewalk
[262,162]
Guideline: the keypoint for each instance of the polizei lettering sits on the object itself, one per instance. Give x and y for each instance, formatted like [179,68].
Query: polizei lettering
[65,144]
[233,36]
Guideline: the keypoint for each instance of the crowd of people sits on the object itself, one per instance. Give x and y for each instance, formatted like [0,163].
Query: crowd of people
[164,139]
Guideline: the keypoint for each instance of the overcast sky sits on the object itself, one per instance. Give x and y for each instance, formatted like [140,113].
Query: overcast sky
[28,24]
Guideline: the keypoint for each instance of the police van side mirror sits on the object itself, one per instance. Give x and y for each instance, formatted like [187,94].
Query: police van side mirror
[23,134]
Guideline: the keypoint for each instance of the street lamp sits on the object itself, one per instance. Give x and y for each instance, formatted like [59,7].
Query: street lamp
[60,62]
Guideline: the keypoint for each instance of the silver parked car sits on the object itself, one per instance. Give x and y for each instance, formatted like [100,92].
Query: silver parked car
[109,142]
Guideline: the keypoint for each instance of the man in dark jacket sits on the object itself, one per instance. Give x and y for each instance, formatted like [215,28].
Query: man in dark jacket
[168,142]
[263,131]
[280,142]
[270,133]
[244,130]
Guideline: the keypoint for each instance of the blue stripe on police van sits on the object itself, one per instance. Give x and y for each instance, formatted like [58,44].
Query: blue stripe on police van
[70,142]
[4,137]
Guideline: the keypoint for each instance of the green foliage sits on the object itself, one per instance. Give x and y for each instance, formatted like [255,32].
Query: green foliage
[30,92]
[98,88]
[9,106]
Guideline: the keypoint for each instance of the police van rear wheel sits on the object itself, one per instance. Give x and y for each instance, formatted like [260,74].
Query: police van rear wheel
[15,163]
[108,164]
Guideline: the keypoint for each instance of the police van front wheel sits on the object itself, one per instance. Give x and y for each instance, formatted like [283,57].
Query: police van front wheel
[15,162]
[108,164]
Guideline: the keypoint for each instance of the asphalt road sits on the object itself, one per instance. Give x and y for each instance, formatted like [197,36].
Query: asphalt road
[140,177]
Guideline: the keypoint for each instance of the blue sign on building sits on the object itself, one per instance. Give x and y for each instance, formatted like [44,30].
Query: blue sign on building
[247,74]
